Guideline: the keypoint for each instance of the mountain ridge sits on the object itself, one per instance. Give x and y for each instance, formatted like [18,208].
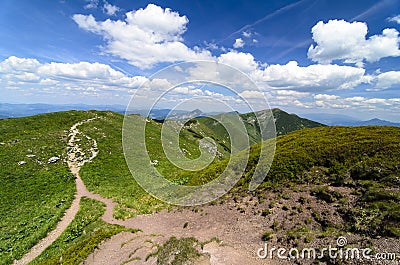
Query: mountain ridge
[345,120]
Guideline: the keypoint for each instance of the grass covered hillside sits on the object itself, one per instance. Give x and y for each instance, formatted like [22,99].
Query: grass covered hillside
[109,175]
[323,181]
[34,193]
[284,123]
[363,161]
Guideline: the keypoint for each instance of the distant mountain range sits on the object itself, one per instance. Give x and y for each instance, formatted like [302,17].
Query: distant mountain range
[162,114]
[8,110]
[372,122]
[344,120]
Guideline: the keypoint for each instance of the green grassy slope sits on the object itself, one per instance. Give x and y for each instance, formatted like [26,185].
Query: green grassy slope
[108,173]
[366,159]
[81,237]
[33,196]
[284,123]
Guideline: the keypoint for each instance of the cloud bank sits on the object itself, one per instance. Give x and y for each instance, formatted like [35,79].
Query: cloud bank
[345,41]
[146,37]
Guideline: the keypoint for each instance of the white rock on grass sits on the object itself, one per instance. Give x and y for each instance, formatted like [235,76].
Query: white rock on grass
[30,156]
[53,159]
[21,163]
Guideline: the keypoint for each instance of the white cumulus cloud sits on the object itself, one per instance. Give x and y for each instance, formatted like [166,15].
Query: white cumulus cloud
[309,78]
[110,9]
[13,65]
[357,102]
[240,60]
[388,79]
[252,94]
[239,43]
[395,19]
[30,73]
[246,34]
[291,93]
[91,4]
[342,40]
[146,37]
[325,97]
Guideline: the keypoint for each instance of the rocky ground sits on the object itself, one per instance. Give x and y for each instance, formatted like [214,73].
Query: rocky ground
[289,218]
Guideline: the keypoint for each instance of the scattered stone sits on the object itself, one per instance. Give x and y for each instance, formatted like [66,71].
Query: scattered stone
[186,151]
[53,159]
[154,162]
[14,141]
[2,143]
[30,156]
[21,163]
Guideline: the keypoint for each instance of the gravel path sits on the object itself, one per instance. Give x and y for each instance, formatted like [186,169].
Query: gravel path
[74,164]
[53,235]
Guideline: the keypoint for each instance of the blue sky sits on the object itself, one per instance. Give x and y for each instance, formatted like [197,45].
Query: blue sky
[309,56]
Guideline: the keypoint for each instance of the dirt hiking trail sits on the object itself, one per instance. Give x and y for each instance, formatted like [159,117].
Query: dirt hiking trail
[74,163]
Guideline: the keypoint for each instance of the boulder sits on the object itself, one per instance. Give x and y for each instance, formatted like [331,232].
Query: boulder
[53,159]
